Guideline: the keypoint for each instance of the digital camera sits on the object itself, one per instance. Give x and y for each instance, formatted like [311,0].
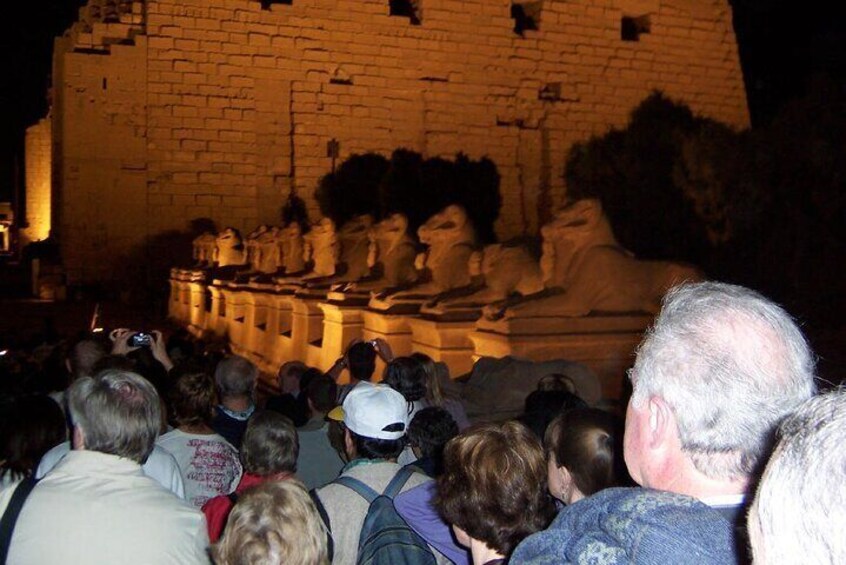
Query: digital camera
[140,339]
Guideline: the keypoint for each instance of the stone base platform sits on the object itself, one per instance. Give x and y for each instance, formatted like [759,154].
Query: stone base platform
[447,342]
[394,329]
[605,343]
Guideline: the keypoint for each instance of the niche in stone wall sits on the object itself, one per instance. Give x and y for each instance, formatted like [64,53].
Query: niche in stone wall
[526,16]
[406,8]
[265,4]
[631,28]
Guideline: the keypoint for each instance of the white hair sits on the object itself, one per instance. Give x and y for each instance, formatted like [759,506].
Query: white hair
[275,522]
[800,508]
[118,413]
[731,364]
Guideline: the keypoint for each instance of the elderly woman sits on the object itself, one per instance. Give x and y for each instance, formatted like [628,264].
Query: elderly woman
[275,522]
[268,453]
[494,489]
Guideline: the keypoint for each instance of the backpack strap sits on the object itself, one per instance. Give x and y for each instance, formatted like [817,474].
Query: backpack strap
[359,487]
[399,480]
[321,510]
[13,510]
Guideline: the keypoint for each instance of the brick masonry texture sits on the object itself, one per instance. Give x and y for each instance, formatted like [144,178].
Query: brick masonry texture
[216,108]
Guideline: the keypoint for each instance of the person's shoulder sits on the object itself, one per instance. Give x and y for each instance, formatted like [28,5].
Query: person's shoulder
[51,458]
[170,436]
[640,521]
[160,457]
[415,479]
[217,503]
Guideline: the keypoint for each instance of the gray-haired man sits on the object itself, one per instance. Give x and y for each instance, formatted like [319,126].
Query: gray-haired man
[712,380]
[96,505]
[800,509]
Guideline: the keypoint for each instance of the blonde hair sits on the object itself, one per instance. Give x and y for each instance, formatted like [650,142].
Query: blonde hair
[273,523]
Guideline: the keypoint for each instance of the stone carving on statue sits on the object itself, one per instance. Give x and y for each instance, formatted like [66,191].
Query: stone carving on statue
[322,248]
[252,247]
[204,249]
[391,253]
[306,255]
[352,250]
[585,270]
[291,246]
[229,249]
[499,272]
[451,240]
[270,251]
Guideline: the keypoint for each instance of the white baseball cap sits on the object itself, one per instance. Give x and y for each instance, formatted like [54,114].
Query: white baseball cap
[376,411]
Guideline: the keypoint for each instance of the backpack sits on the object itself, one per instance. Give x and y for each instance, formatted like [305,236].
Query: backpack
[386,539]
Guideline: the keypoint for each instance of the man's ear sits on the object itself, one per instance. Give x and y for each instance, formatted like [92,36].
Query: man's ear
[349,445]
[661,424]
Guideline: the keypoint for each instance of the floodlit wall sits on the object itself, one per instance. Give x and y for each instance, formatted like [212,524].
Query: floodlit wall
[217,108]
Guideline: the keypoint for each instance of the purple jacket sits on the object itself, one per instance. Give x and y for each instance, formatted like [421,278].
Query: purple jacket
[415,506]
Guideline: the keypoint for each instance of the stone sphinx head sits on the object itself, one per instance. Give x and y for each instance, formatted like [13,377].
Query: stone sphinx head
[230,248]
[387,234]
[203,246]
[292,246]
[324,247]
[577,227]
[449,225]
[354,241]
[451,238]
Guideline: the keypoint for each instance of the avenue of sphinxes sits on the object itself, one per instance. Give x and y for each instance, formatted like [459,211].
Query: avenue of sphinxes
[164,111]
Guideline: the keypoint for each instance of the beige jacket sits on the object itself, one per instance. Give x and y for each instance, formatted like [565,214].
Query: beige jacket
[95,508]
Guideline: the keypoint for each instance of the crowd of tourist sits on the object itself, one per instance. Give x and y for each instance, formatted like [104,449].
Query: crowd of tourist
[113,451]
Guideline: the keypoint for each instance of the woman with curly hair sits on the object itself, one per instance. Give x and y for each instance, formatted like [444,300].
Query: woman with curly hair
[494,489]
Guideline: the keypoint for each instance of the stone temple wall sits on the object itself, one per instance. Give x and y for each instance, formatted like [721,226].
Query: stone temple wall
[38,157]
[181,109]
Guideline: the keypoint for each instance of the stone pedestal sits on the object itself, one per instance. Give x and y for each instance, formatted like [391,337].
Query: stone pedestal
[216,319]
[173,302]
[280,343]
[183,308]
[253,343]
[340,325]
[444,341]
[605,343]
[235,316]
[392,328]
[197,316]
[307,331]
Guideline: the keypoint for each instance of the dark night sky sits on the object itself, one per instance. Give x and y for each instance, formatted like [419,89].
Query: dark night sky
[781,44]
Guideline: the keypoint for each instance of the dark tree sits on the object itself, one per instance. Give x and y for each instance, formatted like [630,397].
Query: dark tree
[353,189]
[294,210]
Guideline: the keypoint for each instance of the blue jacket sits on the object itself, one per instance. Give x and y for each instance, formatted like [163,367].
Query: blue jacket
[632,525]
